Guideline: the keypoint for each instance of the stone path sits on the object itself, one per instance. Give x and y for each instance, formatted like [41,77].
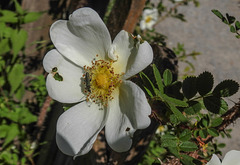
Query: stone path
[220,50]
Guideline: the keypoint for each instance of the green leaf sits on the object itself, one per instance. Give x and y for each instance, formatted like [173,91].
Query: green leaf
[158,78]
[203,133]
[230,19]
[167,77]
[232,29]
[205,122]
[8,16]
[185,135]
[18,40]
[20,92]
[174,101]
[32,16]
[215,104]
[18,7]
[189,87]
[213,132]
[194,107]
[26,117]
[4,46]
[216,122]
[188,146]
[174,120]
[177,113]
[204,83]
[147,82]
[15,77]
[168,141]
[237,25]
[187,160]
[219,15]
[226,88]
[11,134]
[3,130]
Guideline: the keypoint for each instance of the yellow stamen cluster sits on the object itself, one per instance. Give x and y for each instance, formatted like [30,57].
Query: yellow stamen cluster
[148,19]
[103,81]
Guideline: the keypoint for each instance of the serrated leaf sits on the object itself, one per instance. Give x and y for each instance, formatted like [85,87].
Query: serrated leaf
[215,104]
[15,77]
[213,132]
[168,141]
[237,25]
[185,135]
[167,77]
[194,107]
[11,134]
[226,88]
[20,92]
[174,120]
[230,18]
[219,15]
[232,29]
[18,40]
[188,146]
[31,16]
[216,122]
[203,133]
[189,87]
[158,78]
[204,83]
[188,160]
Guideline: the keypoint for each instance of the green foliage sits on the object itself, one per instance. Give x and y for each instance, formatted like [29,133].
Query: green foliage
[185,114]
[18,116]
[234,25]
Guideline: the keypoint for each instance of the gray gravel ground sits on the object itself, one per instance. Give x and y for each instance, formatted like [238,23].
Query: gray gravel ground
[220,50]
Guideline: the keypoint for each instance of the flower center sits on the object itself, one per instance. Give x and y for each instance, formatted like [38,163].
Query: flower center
[148,19]
[100,81]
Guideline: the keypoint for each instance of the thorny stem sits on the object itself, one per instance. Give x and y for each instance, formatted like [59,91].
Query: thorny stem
[42,115]
[228,118]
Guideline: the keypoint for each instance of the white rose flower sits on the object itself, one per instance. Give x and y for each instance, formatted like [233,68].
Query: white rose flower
[149,18]
[87,64]
[231,158]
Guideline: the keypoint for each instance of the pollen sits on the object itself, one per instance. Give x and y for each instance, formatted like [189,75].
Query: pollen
[103,81]
[148,19]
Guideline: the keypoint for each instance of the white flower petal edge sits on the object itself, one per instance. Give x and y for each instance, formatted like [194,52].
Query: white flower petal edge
[82,37]
[69,89]
[132,57]
[232,158]
[78,127]
[126,114]
[214,160]
[139,61]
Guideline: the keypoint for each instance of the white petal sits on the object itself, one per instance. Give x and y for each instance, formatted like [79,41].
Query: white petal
[126,114]
[118,129]
[78,127]
[70,89]
[132,57]
[214,160]
[134,103]
[232,158]
[139,60]
[82,37]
